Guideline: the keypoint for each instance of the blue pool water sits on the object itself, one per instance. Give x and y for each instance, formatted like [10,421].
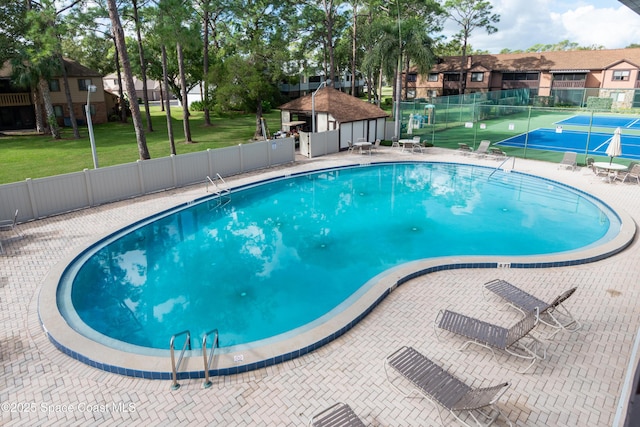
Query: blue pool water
[286,252]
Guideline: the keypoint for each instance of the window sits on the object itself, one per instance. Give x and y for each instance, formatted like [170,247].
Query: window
[83,84]
[412,77]
[411,93]
[520,76]
[621,75]
[570,76]
[58,111]
[477,77]
[617,96]
[54,85]
[432,93]
[450,77]
[433,77]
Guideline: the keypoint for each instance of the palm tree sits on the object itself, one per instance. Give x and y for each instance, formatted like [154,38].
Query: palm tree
[36,76]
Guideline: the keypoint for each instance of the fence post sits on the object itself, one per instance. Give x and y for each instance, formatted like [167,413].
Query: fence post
[87,181]
[241,158]
[174,171]
[32,199]
[140,177]
[210,161]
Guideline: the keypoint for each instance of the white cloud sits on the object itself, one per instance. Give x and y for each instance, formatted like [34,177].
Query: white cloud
[524,23]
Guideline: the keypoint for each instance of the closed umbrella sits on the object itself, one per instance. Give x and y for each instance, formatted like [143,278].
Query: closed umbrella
[410,125]
[615,146]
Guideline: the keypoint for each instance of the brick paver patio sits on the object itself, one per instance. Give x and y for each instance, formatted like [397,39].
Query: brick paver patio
[579,384]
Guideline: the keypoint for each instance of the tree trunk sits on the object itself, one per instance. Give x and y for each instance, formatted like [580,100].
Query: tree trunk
[143,151]
[48,106]
[258,132]
[37,102]
[329,23]
[162,94]
[354,50]
[167,105]
[121,103]
[205,62]
[143,67]
[183,92]
[67,93]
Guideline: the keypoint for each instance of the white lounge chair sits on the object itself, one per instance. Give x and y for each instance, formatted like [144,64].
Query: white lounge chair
[483,148]
[569,160]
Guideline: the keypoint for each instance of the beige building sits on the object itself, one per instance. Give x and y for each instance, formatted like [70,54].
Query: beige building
[567,77]
[17,106]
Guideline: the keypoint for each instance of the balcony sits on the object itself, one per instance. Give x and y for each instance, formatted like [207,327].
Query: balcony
[517,84]
[568,84]
[14,99]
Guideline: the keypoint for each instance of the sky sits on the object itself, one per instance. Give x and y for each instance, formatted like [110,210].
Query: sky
[524,23]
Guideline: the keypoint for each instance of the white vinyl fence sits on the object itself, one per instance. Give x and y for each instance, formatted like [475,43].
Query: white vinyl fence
[43,197]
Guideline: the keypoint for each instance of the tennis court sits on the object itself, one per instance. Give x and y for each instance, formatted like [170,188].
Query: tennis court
[602,121]
[570,140]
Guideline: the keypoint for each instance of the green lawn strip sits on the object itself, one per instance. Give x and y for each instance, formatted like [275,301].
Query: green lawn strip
[36,156]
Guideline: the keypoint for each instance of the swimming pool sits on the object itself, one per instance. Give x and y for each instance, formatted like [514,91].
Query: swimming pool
[305,249]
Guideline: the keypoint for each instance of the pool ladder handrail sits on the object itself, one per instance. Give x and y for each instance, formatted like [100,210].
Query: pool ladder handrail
[500,165]
[207,361]
[175,366]
[220,192]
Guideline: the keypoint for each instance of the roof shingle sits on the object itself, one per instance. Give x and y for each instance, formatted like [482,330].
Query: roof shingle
[343,107]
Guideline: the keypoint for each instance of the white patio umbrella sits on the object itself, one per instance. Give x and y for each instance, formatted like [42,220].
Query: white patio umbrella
[615,146]
[410,125]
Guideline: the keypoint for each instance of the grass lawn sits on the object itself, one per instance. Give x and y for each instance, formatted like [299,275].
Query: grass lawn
[36,156]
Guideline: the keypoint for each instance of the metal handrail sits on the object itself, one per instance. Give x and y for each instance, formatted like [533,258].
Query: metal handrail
[207,361]
[219,191]
[500,165]
[174,366]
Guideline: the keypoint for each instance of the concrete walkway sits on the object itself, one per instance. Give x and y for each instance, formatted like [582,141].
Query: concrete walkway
[581,383]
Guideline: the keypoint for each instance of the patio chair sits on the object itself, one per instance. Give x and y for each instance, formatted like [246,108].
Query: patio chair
[338,415]
[496,152]
[366,148]
[9,225]
[416,144]
[351,146]
[395,142]
[436,384]
[464,148]
[632,172]
[552,314]
[569,160]
[596,171]
[483,148]
[492,336]
[376,145]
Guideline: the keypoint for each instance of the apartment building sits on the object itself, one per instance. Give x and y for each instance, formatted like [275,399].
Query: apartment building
[566,77]
[17,104]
